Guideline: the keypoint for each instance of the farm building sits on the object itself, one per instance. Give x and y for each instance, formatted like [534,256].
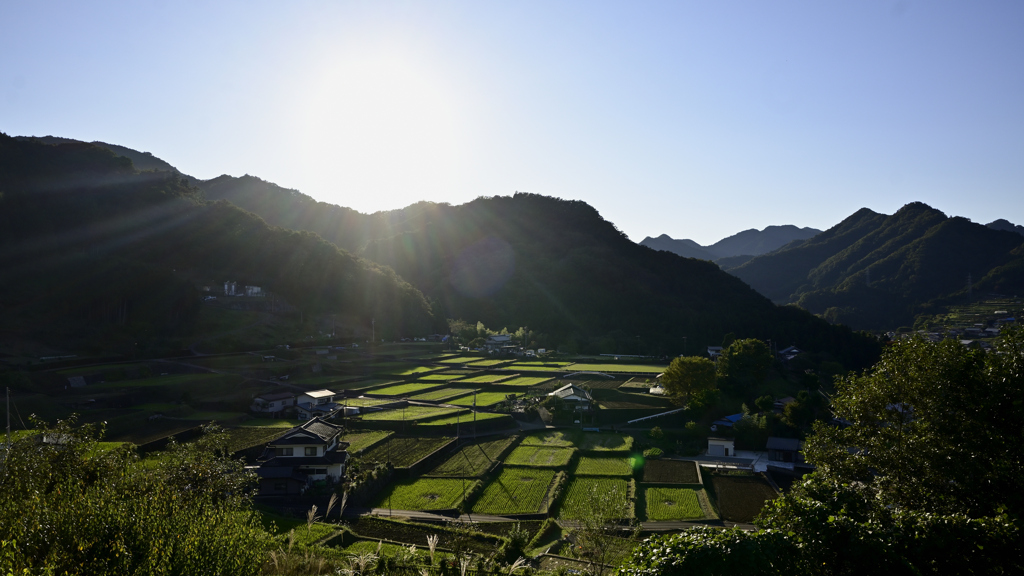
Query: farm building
[721,446]
[303,455]
[316,403]
[573,395]
[784,450]
[273,403]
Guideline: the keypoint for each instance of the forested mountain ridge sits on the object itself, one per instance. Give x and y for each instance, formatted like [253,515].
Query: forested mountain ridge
[94,249]
[875,271]
[750,243]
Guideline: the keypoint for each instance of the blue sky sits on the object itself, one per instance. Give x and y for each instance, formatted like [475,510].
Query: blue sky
[695,119]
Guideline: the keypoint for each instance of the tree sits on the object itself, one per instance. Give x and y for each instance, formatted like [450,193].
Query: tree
[744,364]
[690,380]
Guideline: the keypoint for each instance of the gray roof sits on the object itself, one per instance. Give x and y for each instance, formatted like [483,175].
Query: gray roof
[775,443]
[320,430]
[570,390]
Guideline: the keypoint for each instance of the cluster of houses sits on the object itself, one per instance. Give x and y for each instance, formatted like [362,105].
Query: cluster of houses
[301,457]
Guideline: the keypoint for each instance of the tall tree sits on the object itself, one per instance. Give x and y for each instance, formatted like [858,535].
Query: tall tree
[744,364]
[690,380]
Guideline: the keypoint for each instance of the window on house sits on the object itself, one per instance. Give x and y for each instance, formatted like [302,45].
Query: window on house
[283,451]
[311,451]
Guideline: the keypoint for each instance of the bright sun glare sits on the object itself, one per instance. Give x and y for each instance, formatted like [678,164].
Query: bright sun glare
[379,133]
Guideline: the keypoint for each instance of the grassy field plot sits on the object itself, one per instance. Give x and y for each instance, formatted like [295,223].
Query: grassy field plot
[409,414]
[591,466]
[247,437]
[539,456]
[515,491]
[414,370]
[637,368]
[442,394]
[359,441]
[466,419]
[459,360]
[480,363]
[175,380]
[543,364]
[595,442]
[535,368]
[482,399]
[387,549]
[584,493]
[372,382]
[525,381]
[550,439]
[483,378]
[405,389]
[365,402]
[423,494]
[271,423]
[404,452]
[672,504]
[670,472]
[741,498]
[437,377]
[473,459]
[601,384]
[411,533]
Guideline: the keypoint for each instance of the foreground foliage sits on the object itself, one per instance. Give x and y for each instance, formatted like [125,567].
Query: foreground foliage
[923,476]
[70,509]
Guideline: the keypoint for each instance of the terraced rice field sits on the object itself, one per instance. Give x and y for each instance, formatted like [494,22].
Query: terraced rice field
[410,414]
[593,442]
[638,368]
[550,439]
[526,381]
[437,377]
[414,370]
[539,456]
[672,504]
[670,472]
[515,491]
[537,368]
[404,452]
[591,466]
[544,364]
[487,363]
[741,498]
[442,394]
[484,378]
[405,389]
[242,438]
[584,493]
[473,459]
[364,402]
[359,441]
[423,494]
[482,399]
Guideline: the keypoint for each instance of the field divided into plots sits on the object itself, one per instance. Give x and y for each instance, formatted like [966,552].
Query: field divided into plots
[525,381]
[592,442]
[482,399]
[515,491]
[741,498]
[617,368]
[423,494]
[442,394]
[583,493]
[550,439]
[404,452]
[592,466]
[466,419]
[484,378]
[410,414]
[473,459]
[539,456]
[670,472]
[359,441]
[672,504]
[405,389]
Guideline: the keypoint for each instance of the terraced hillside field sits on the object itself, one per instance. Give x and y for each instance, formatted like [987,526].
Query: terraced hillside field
[404,452]
[593,466]
[423,494]
[409,414]
[473,459]
[670,472]
[515,491]
[672,504]
[610,495]
[539,456]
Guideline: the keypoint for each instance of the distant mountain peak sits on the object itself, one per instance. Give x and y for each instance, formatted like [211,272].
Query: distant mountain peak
[1006,225]
[752,242]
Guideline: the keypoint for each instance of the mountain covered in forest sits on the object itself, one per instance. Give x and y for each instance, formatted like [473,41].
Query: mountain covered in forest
[86,232]
[735,249]
[877,271]
[96,253]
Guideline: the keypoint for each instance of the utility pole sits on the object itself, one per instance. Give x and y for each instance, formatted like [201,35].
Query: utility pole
[373,330]
[6,454]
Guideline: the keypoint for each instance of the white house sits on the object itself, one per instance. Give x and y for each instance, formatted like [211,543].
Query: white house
[301,456]
[316,403]
[255,291]
[721,446]
[273,403]
[714,352]
[230,288]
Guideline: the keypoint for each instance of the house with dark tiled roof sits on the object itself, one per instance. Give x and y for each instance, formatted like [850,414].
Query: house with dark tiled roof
[273,403]
[573,395]
[301,456]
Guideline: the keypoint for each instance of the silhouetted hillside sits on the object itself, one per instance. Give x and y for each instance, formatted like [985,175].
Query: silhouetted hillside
[876,271]
[94,249]
[1006,225]
[725,252]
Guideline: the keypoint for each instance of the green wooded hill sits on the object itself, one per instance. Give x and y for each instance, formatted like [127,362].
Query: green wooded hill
[93,250]
[555,266]
[873,271]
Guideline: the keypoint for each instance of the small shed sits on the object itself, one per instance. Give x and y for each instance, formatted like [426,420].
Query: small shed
[721,446]
[784,449]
